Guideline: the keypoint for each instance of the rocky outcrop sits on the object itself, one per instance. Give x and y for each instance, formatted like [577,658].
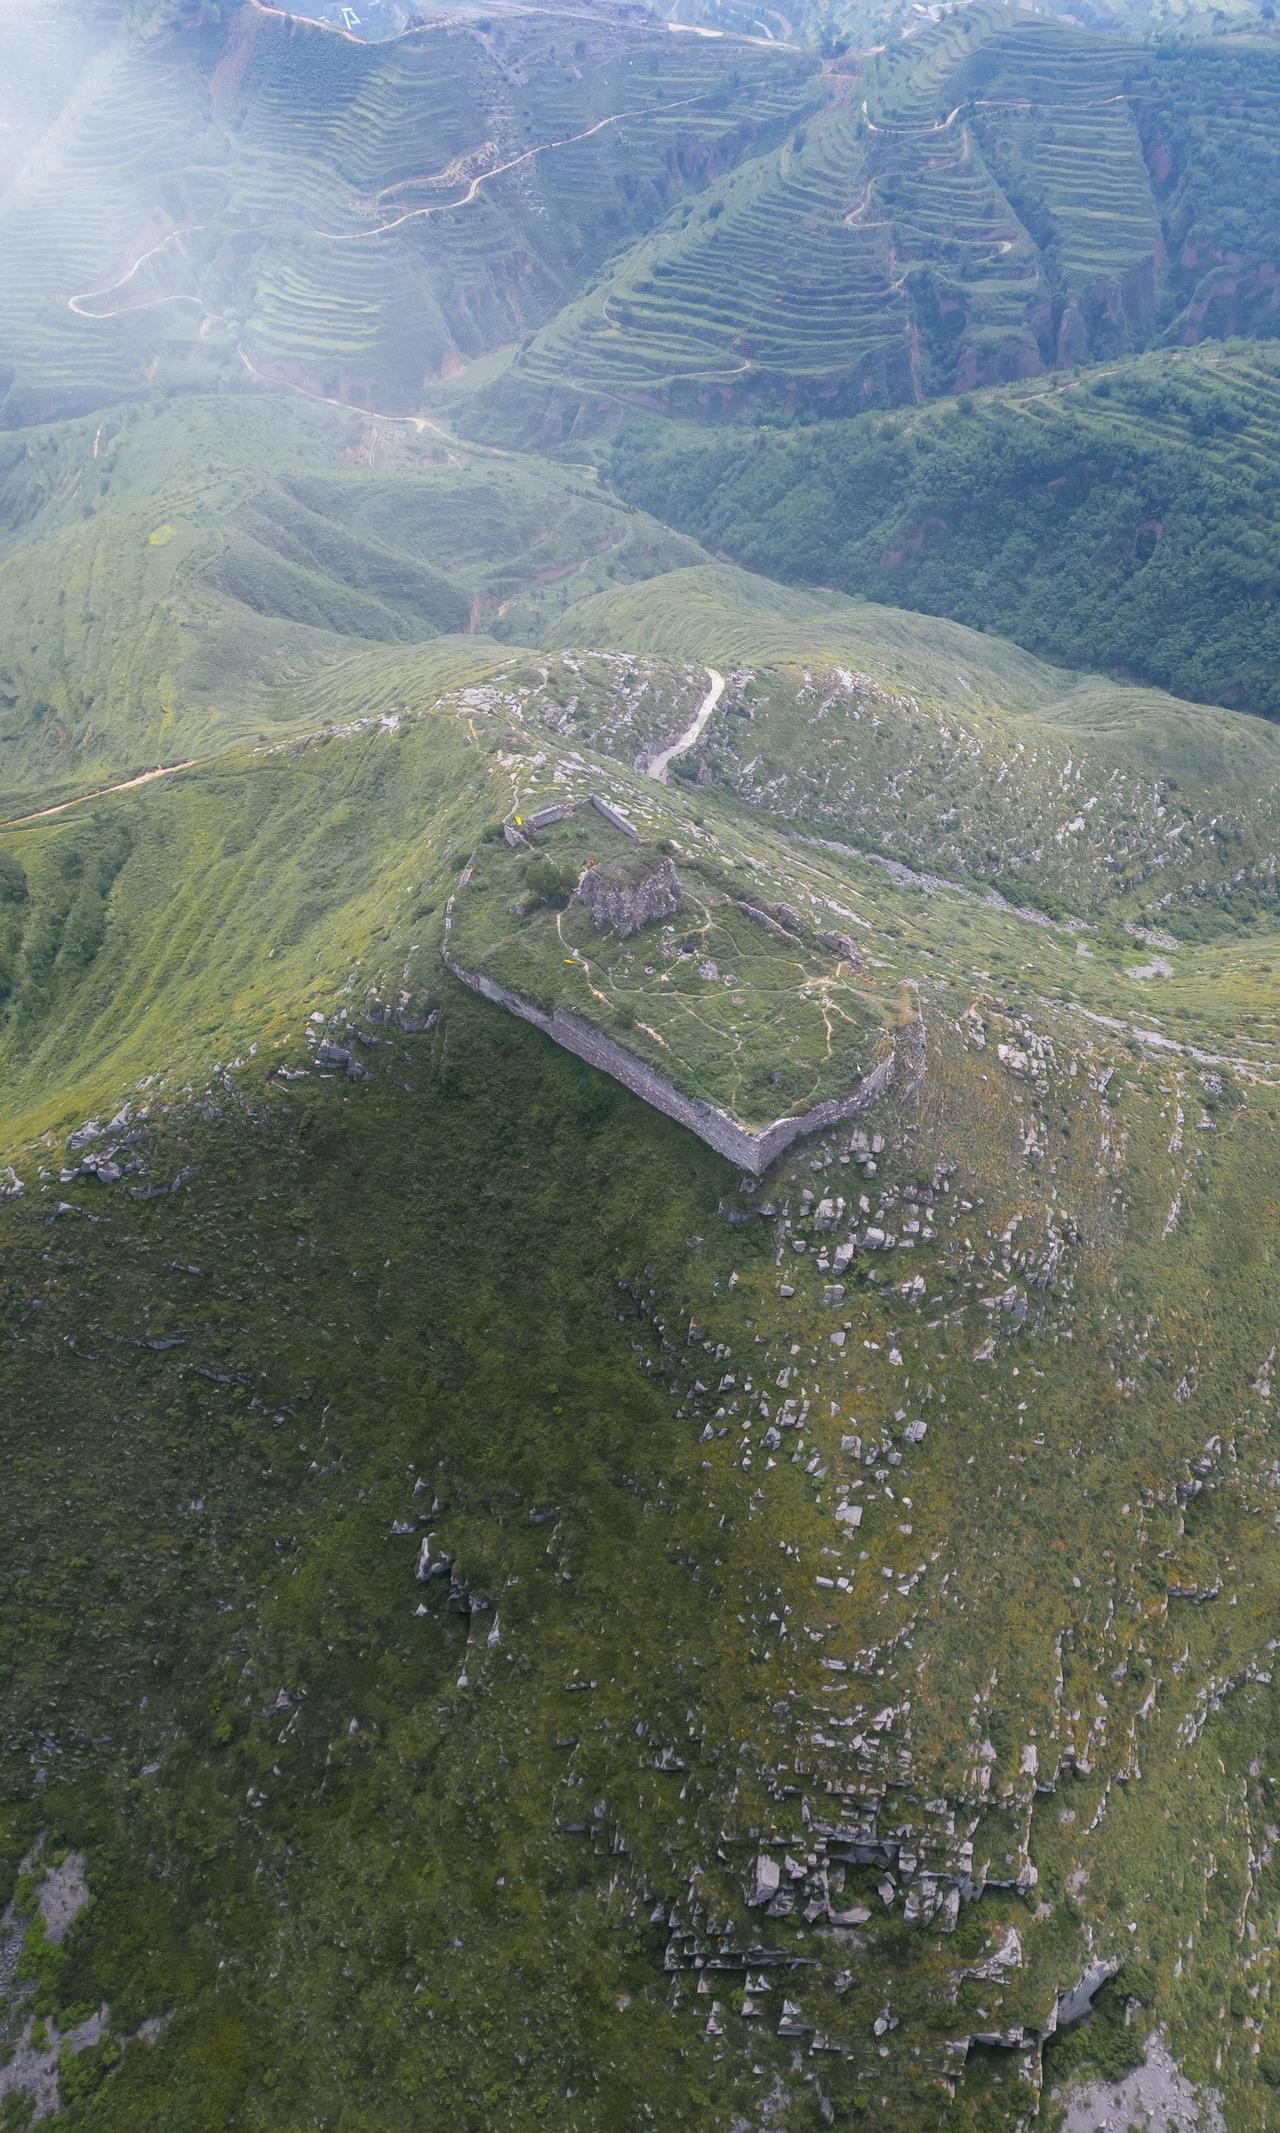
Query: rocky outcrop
[622,902]
[786,928]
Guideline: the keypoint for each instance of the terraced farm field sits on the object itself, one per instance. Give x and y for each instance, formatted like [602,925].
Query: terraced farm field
[386,210]
[992,198]
[868,262]
[130,161]
[1080,183]
[778,288]
[267,197]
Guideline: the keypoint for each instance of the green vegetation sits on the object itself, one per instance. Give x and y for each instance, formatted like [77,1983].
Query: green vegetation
[261,1364]
[507,1617]
[732,996]
[313,567]
[1125,521]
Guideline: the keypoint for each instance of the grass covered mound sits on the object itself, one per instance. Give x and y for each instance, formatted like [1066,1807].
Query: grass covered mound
[734,996]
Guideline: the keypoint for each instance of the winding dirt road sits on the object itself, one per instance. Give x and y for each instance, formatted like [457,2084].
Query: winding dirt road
[101,792]
[659,764]
[87,296]
[441,207]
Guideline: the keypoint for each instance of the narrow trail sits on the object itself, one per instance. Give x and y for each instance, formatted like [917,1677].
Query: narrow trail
[659,764]
[87,296]
[461,445]
[484,177]
[101,792]
[451,173]
[698,29]
[979,103]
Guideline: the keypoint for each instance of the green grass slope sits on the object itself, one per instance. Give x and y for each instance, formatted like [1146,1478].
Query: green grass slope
[174,576]
[366,1264]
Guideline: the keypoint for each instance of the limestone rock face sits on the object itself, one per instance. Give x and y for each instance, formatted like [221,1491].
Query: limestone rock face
[624,898]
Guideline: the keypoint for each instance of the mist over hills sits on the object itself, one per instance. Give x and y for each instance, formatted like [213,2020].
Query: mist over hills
[640,1040]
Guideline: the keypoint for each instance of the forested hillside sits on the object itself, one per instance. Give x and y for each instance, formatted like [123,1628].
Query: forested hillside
[1127,521]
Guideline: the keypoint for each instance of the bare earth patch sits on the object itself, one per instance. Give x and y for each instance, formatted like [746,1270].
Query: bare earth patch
[1155,2098]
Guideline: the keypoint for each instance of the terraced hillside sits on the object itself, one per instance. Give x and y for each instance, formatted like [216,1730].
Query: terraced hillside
[872,260]
[836,26]
[353,217]
[787,1644]
[998,195]
[1080,183]
[1125,520]
[127,166]
[44,51]
[772,288]
[994,195]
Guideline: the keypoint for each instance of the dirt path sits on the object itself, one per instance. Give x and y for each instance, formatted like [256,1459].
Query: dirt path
[659,764]
[87,296]
[101,792]
[373,414]
[484,177]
